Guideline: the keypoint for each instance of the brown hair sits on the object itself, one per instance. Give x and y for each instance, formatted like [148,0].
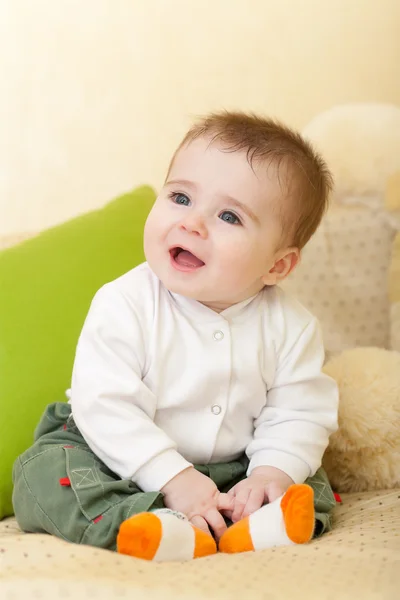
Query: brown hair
[266,140]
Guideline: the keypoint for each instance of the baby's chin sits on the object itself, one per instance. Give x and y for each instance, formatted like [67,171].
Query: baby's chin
[201,290]
[179,283]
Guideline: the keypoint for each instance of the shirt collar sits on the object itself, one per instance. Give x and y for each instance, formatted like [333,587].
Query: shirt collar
[201,312]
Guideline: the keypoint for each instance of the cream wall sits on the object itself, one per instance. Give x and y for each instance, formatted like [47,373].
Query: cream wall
[97,93]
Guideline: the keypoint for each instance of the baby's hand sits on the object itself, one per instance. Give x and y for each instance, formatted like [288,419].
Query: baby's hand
[265,484]
[197,497]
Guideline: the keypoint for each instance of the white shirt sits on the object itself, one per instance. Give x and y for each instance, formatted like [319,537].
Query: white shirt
[161,381]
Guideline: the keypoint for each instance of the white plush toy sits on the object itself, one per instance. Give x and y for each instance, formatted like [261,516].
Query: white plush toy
[361,144]
[364,454]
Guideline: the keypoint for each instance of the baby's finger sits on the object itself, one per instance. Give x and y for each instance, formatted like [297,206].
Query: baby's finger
[225,502]
[240,502]
[228,514]
[200,523]
[255,501]
[216,522]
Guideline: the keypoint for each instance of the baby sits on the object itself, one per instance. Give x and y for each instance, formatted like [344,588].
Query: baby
[198,412]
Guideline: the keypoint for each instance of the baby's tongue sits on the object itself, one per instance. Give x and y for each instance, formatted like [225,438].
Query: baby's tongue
[187,259]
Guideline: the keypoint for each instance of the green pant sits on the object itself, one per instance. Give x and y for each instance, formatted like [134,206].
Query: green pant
[62,488]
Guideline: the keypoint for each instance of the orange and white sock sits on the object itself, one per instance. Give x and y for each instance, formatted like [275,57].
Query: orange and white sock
[163,535]
[288,520]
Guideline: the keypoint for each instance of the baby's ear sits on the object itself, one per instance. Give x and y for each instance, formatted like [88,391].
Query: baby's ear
[284,264]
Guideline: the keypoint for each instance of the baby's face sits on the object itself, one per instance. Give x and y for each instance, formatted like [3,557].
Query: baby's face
[213,234]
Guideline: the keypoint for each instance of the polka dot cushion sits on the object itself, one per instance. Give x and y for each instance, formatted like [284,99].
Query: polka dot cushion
[394,294]
[343,276]
[393,205]
[359,559]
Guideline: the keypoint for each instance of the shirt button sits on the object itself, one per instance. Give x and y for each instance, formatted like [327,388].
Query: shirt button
[218,336]
[216,409]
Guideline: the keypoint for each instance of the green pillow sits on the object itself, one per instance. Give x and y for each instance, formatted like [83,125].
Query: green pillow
[46,286]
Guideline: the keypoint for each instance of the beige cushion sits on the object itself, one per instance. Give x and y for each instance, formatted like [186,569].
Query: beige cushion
[359,559]
[392,201]
[394,295]
[342,278]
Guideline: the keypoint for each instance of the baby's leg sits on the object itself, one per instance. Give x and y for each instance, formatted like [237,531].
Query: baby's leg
[299,515]
[288,520]
[62,488]
[163,535]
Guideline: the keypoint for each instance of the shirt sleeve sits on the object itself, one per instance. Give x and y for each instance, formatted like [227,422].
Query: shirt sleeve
[293,429]
[111,406]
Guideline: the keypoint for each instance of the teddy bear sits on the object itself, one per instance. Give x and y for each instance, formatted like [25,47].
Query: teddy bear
[364,454]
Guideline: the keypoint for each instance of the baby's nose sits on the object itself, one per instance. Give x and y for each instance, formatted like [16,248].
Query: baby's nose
[195,225]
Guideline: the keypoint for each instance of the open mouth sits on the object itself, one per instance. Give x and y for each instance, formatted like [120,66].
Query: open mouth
[184,260]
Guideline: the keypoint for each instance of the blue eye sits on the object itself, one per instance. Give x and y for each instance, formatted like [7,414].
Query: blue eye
[181,199]
[229,217]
